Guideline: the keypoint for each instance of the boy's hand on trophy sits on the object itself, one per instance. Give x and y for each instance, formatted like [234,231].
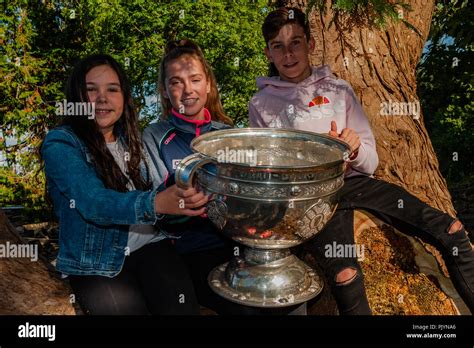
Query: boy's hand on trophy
[333,132]
[349,136]
[177,201]
[352,138]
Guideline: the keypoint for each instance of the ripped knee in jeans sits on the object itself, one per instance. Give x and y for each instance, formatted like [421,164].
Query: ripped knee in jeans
[456,226]
[346,276]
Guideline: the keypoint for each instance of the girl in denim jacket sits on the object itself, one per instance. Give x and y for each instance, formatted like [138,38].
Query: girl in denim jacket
[99,182]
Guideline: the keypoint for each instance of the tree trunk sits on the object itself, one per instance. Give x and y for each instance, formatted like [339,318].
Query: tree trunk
[29,287]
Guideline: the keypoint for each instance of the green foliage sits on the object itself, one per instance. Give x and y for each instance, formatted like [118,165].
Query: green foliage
[26,191]
[454,19]
[372,12]
[42,40]
[24,87]
[17,190]
[446,89]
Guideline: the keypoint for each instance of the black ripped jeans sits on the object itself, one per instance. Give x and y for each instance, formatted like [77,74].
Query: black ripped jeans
[395,206]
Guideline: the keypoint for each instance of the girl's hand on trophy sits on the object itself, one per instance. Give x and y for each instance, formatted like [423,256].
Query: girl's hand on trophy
[176,201]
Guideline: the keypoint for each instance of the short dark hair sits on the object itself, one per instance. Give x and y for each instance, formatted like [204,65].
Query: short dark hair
[280,17]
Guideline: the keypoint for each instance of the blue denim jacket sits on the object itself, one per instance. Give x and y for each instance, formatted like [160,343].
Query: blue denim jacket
[94,220]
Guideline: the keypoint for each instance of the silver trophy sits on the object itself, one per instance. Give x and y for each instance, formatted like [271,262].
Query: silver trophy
[271,189]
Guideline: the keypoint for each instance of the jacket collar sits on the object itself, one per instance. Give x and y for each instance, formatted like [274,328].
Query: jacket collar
[186,125]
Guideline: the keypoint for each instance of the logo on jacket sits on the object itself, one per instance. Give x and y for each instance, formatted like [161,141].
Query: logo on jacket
[167,141]
[175,163]
[319,100]
[324,107]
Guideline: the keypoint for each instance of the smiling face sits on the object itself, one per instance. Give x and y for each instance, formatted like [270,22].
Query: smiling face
[187,86]
[289,51]
[103,89]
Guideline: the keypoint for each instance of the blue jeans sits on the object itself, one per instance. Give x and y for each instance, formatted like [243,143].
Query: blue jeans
[395,206]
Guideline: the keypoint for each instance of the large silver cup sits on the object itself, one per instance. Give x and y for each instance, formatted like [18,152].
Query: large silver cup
[271,189]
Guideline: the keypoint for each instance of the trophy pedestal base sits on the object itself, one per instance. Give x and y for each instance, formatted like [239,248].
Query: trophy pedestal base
[266,278]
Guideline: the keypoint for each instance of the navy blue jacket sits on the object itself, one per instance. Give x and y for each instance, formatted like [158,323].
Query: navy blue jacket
[168,142]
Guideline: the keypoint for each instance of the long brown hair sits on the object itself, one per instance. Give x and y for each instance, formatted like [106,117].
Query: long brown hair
[278,18]
[126,128]
[177,49]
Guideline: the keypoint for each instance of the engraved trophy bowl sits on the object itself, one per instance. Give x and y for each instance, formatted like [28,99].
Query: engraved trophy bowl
[271,189]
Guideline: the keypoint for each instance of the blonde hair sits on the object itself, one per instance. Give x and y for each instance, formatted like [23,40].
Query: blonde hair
[177,49]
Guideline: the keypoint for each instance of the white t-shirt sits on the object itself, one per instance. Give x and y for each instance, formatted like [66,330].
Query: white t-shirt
[138,235]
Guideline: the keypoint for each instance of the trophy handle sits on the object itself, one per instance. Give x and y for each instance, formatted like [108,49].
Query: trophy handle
[185,170]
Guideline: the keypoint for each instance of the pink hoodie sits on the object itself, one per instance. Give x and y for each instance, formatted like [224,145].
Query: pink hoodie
[311,105]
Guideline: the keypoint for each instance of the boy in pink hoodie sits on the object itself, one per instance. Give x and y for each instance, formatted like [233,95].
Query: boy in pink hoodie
[318,103]
[310,98]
